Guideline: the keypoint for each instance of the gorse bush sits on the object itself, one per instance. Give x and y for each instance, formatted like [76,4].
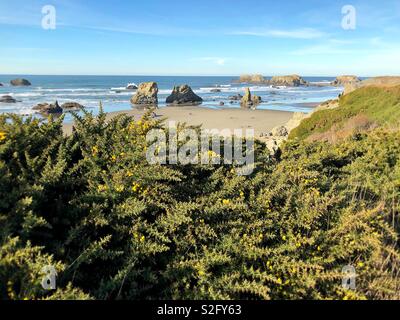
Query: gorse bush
[375,105]
[116,227]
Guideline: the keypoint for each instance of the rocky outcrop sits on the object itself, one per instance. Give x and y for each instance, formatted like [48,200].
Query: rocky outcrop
[280,131]
[1,84]
[236,97]
[247,78]
[289,81]
[147,94]
[20,82]
[345,80]
[278,135]
[7,99]
[215,90]
[47,108]
[183,95]
[131,86]
[249,100]
[72,106]
[376,81]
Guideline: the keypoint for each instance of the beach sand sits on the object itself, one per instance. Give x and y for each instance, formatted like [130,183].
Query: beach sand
[262,121]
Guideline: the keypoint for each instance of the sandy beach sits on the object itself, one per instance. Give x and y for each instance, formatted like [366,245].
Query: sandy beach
[262,121]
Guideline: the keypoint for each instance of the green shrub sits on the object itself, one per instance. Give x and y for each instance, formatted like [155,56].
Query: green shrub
[380,105]
[116,227]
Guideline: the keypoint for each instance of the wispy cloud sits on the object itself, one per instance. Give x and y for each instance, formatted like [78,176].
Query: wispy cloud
[304,33]
[216,60]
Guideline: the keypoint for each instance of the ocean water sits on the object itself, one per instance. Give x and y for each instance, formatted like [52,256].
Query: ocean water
[91,90]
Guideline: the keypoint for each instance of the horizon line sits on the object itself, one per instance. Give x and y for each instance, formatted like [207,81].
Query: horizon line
[182,75]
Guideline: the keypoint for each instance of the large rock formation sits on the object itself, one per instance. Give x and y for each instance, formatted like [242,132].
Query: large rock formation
[345,80]
[290,81]
[250,100]
[47,108]
[7,99]
[146,94]
[1,84]
[20,82]
[183,95]
[254,78]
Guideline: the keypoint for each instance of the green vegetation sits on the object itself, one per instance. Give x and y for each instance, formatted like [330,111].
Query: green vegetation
[116,227]
[367,107]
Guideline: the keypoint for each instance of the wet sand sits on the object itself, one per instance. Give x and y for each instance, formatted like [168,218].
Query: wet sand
[262,121]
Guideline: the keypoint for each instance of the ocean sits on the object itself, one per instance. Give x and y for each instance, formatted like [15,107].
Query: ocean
[91,90]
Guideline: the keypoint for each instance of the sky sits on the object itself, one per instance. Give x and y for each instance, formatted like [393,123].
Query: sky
[204,37]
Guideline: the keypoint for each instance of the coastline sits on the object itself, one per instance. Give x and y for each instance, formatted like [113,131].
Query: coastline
[262,121]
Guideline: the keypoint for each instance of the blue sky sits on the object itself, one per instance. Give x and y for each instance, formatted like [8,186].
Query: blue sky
[207,37]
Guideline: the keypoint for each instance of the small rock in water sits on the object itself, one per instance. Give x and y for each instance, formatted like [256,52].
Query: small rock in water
[7,99]
[20,82]
[221,103]
[235,97]
[71,106]
[47,108]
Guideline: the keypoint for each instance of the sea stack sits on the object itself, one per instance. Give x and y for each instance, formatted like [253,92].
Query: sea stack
[147,94]
[20,82]
[183,95]
[251,78]
[250,100]
[289,81]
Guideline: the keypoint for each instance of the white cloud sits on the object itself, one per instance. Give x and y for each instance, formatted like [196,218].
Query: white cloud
[217,60]
[304,33]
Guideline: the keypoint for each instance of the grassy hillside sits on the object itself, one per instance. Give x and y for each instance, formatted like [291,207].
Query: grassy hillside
[116,227]
[363,109]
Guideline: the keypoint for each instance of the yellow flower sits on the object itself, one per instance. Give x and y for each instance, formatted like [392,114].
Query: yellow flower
[135,187]
[279,281]
[142,239]
[95,150]
[102,188]
[226,201]
[360,264]
[119,188]
[114,158]
[129,174]
[3,136]
[201,273]
[284,238]
[298,244]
